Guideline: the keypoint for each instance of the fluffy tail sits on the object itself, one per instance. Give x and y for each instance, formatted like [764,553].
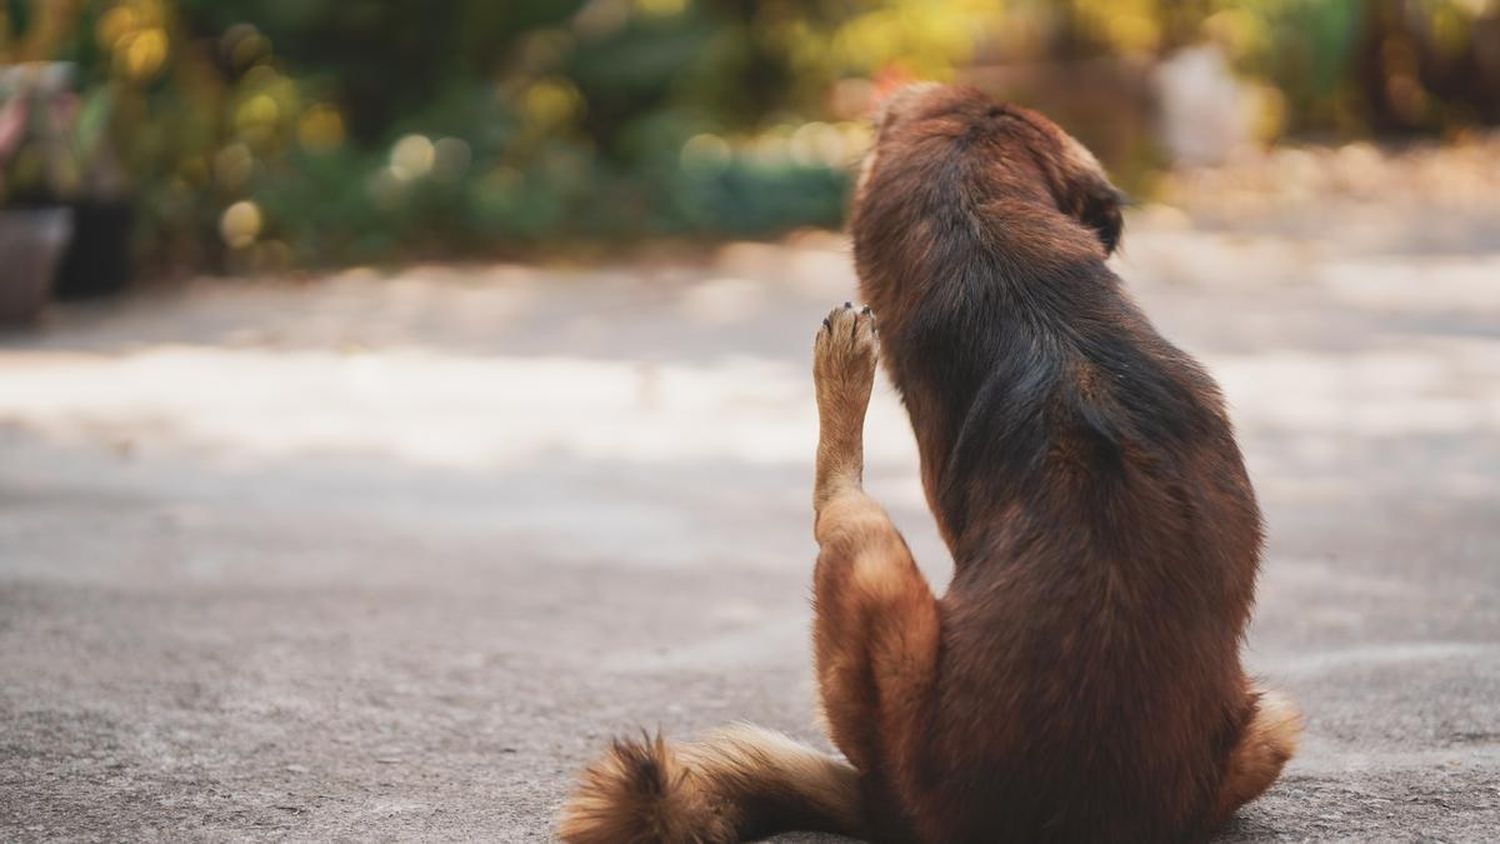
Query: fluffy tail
[742,782]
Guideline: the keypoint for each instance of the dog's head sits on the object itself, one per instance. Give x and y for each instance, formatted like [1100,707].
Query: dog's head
[938,144]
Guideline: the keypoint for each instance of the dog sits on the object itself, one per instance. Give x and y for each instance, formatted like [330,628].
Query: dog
[1081,678]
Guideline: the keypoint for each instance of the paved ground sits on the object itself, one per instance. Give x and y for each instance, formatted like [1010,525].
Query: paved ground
[392,557]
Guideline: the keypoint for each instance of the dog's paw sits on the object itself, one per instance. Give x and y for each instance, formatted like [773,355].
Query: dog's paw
[844,356]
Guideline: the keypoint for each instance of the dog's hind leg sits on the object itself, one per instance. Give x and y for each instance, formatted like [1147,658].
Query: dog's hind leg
[1268,741]
[877,626]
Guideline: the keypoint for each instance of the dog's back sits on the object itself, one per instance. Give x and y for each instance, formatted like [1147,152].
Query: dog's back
[1105,541]
[1083,471]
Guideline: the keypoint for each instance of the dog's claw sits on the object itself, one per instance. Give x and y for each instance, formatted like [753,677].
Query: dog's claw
[861,323]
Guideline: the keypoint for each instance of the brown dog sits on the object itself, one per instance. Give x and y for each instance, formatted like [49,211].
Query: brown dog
[1081,679]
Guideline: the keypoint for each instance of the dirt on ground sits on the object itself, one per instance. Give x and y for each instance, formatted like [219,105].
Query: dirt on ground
[392,556]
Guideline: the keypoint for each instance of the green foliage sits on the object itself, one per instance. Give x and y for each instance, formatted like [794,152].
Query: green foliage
[264,133]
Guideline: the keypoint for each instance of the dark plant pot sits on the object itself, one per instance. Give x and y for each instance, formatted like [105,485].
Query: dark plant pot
[31,242]
[97,262]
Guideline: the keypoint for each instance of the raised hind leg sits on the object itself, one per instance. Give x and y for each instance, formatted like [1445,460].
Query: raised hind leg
[876,628]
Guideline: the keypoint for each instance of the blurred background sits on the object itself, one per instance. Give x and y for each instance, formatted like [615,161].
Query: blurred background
[261,135]
[397,398]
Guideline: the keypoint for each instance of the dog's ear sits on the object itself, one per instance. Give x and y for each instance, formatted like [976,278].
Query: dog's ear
[1100,211]
[1081,188]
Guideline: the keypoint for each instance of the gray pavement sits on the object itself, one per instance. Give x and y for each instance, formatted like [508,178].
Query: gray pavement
[391,557]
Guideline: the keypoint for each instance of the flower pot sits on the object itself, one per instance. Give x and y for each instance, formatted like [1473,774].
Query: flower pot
[97,262]
[32,241]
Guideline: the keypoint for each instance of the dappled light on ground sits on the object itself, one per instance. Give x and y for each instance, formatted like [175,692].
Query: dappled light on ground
[339,536]
[480,369]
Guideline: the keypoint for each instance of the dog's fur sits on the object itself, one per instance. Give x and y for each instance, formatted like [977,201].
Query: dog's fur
[1081,678]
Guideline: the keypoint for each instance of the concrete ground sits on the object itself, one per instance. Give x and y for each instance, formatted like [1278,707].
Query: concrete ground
[391,557]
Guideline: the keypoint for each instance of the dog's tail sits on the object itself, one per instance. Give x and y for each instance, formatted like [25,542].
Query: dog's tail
[739,783]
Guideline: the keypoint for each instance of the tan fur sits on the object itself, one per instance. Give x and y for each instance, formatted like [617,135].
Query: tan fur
[1267,744]
[737,782]
[639,793]
[875,635]
[844,356]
